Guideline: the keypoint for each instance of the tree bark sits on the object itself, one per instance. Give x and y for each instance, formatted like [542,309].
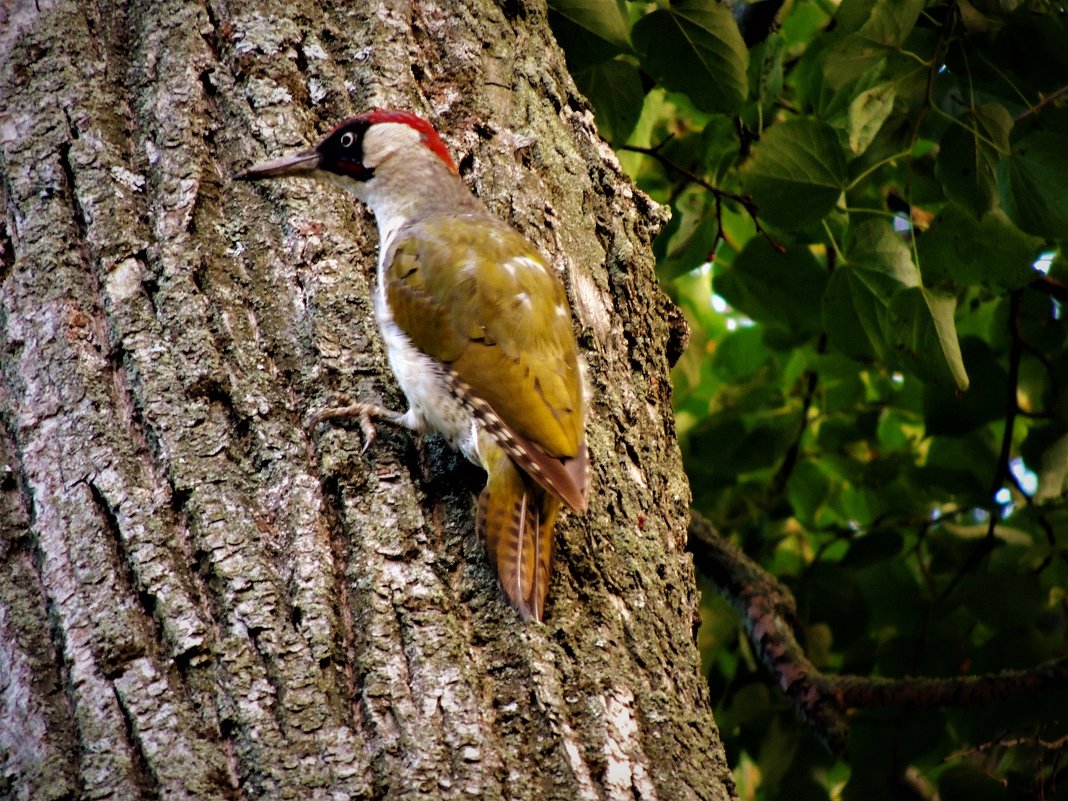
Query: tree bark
[199,597]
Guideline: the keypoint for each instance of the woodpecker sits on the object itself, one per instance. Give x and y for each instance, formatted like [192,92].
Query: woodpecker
[478,332]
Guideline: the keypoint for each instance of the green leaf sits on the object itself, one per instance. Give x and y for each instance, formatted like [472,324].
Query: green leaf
[853,58]
[873,244]
[1032,183]
[878,266]
[968,157]
[726,445]
[867,113]
[686,243]
[851,14]
[854,310]
[782,290]
[766,70]
[991,252]
[615,90]
[947,412]
[1053,475]
[807,490]
[976,21]
[740,355]
[831,99]
[695,47]
[888,23]
[797,172]
[589,31]
[802,25]
[923,332]
[891,21]
[942,307]
[719,146]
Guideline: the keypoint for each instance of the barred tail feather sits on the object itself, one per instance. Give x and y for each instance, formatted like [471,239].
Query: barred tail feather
[515,521]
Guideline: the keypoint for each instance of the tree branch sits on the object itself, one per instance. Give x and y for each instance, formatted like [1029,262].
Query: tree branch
[769,617]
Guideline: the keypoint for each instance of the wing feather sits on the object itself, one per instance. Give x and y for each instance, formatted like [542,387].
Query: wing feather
[474,294]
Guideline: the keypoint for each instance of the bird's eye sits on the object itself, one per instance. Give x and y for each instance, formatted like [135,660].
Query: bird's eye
[346,139]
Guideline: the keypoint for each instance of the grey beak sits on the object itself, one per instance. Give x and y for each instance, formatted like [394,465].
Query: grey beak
[303,163]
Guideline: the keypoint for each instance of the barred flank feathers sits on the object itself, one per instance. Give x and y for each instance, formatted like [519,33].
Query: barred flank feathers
[515,521]
[564,478]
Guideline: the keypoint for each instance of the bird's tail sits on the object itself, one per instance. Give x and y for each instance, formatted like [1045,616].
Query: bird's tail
[515,521]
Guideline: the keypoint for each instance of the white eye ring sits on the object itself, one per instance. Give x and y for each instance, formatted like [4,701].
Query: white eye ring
[347,138]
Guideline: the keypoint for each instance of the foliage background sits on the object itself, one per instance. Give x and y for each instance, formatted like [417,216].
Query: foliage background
[870,204]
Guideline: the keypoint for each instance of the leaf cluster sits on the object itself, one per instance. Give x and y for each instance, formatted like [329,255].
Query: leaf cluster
[869,214]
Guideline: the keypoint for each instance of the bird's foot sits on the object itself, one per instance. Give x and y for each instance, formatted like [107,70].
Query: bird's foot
[365,414]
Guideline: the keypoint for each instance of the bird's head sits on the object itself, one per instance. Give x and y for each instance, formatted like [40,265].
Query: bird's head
[352,152]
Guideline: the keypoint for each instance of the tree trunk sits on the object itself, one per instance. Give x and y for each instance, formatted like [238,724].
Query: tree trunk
[200,597]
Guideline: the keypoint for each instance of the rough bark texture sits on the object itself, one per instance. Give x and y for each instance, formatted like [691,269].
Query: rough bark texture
[199,598]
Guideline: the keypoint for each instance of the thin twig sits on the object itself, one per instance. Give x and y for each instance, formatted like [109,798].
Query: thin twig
[1051,286]
[1052,97]
[943,32]
[1002,470]
[1012,406]
[744,201]
[789,462]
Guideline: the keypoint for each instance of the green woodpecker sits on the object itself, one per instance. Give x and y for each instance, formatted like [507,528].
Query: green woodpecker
[478,332]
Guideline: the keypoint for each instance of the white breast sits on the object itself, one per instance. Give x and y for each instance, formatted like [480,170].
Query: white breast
[432,407]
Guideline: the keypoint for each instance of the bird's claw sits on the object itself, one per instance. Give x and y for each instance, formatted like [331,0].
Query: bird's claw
[364,413]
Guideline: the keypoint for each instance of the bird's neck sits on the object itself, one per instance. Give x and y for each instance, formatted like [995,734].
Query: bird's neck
[413,190]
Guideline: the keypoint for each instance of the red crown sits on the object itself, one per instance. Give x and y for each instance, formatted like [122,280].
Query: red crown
[426,130]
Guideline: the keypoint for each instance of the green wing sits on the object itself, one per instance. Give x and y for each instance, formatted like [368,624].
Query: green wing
[473,293]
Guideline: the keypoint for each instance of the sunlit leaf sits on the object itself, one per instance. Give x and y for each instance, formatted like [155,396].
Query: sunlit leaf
[1007,534]
[686,242]
[867,113]
[1053,474]
[924,333]
[875,245]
